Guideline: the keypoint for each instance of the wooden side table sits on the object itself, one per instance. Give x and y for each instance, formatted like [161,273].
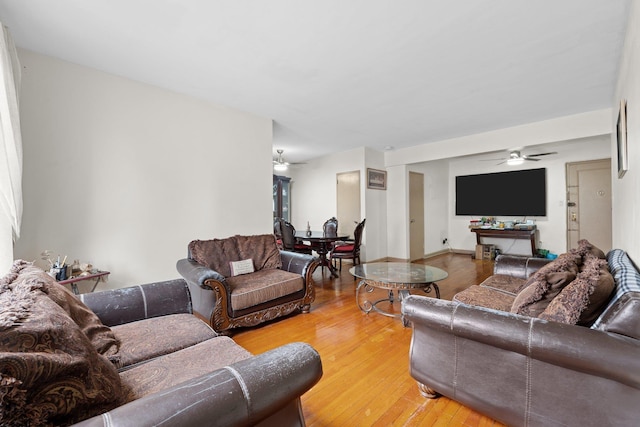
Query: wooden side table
[507,234]
[74,281]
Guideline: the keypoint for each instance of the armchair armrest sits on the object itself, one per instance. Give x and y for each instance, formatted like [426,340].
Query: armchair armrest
[208,288]
[124,305]
[518,266]
[243,393]
[197,273]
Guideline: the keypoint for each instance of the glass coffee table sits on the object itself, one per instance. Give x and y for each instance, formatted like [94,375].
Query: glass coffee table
[394,276]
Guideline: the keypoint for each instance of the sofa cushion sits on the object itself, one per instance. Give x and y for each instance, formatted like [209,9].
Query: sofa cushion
[582,300]
[344,248]
[504,283]
[217,253]
[485,297]
[50,373]
[146,339]
[544,285]
[262,286]
[175,368]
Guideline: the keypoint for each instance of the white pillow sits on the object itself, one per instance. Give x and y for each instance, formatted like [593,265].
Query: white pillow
[241,267]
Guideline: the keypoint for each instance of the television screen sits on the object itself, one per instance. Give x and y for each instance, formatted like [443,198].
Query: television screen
[513,193]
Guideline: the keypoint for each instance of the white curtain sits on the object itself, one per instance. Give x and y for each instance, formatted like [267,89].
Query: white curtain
[10,150]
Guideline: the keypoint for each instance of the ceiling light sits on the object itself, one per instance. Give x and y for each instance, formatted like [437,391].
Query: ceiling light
[280,167]
[515,161]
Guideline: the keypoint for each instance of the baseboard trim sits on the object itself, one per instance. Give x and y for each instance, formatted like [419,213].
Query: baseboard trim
[426,256]
[440,252]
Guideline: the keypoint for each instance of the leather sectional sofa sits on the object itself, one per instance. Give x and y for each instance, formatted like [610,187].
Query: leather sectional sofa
[135,356]
[534,370]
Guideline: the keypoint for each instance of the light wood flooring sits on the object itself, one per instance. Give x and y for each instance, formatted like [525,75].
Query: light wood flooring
[365,357]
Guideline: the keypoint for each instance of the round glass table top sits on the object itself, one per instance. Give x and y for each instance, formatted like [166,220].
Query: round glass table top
[398,272]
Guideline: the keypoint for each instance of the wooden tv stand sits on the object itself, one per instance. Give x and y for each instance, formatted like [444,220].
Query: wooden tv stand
[507,234]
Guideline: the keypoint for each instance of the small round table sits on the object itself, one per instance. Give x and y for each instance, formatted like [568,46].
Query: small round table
[395,276]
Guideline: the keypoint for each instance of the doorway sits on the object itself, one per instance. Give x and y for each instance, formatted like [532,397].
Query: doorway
[416,216]
[589,203]
[348,202]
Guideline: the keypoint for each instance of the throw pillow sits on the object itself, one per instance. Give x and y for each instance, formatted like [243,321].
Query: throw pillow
[585,248]
[101,336]
[50,374]
[582,300]
[241,267]
[544,285]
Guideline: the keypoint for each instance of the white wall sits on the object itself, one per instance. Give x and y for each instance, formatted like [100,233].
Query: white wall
[545,132]
[579,133]
[397,212]
[626,191]
[316,181]
[313,187]
[314,198]
[124,175]
[376,210]
[552,228]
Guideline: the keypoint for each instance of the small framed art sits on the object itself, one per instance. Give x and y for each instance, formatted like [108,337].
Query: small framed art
[376,179]
[621,134]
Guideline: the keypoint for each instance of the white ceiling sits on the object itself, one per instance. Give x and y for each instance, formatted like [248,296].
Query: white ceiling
[340,74]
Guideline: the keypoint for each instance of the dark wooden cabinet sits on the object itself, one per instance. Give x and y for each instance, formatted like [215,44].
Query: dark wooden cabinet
[282,197]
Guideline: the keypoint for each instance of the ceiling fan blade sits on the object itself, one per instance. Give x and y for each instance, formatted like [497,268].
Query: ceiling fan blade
[492,160]
[541,154]
[529,158]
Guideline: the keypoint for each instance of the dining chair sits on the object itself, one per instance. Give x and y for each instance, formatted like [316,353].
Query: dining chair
[289,241]
[277,231]
[348,249]
[330,227]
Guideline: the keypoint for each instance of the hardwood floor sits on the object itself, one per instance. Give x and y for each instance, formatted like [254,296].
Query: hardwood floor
[365,357]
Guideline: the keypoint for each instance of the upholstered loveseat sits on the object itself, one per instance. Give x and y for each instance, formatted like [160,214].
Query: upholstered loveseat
[135,357]
[246,280]
[558,367]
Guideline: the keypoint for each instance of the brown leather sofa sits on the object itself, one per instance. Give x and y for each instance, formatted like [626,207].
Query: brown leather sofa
[528,371]
[135,356]
[276,283]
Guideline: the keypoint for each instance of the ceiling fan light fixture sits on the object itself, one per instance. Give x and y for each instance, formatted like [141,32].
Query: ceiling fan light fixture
[280,167]
[515,161]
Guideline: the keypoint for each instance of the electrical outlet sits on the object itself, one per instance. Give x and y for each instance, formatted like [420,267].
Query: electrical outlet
[444,241]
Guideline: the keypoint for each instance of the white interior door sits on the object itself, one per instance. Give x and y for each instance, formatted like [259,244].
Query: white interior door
[589,203]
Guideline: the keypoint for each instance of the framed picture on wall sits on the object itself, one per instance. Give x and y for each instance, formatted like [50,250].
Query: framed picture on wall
[621,134]
[376,179]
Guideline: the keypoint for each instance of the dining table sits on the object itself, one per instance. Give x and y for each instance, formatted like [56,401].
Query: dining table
[322,244]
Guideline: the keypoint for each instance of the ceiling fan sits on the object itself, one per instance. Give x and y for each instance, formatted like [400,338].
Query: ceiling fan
[516,158]
[279,164]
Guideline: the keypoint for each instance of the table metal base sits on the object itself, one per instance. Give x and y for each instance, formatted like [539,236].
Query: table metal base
[403,291]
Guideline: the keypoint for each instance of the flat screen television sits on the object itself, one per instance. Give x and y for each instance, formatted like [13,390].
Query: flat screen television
[513,193]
